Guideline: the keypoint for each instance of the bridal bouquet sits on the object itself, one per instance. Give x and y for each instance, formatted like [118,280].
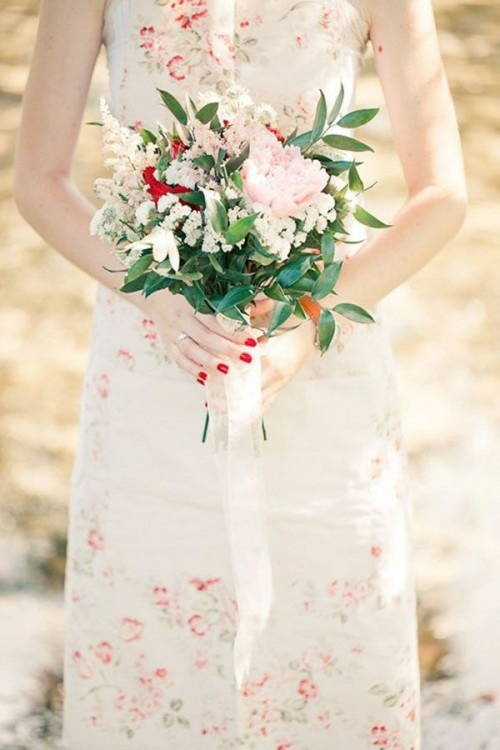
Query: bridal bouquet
[224,209]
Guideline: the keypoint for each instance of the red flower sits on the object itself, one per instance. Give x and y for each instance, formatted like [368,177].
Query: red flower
[127,358]
[161,672]
[83,667]
[190,15]
[103,386]
[308,689]
[150,331]
[197,625]
[95,539]
[279,135]
[177,148]
[161,596]
[204,585]
[104,652]
[131,629]
[177,68]
[156,188]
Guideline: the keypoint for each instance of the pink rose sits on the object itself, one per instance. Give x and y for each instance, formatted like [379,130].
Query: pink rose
[95,539]
[278,176]
[131,629]
[308,689]
[103,386]
[82,666]
[104,652]
[197,625]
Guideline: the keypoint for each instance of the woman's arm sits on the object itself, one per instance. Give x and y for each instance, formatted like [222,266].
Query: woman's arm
[426,137]
[68,42]
[67,45]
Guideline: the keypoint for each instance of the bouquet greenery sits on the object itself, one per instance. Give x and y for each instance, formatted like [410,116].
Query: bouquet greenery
[224,209]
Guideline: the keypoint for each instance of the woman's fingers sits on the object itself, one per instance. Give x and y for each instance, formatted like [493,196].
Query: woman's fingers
[200,357]
[192,368]
[218,345]
[237,335]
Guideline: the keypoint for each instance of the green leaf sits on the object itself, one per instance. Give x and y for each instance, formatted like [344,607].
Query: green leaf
[215,123]
[302,140]
[293,271]
[205,161]
[326,280]
[190,107]
[274,291]
[94,122]
[207,112]
[190,276]
[344,143]
[138,268]
[193,197]
[353,312]
[238,295]
[299,311]
[319,118]
[196,298]
[174,106]
[304,284]
[221,153]
[337,106]
[147,136]
[327,248]
[136,285]
[355,181]
[212,257]
[236,161]
[326,329]
[237,180]
[281,313]
[291,136]
[239,229]
[217,214]
[154,282]
[235,314]
[339,166]
[364,217]
[357,118]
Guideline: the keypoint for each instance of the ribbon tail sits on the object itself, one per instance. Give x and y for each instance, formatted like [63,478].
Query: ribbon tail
[236,429]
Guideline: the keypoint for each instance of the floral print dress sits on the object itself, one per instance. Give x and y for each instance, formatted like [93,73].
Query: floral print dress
[151,610]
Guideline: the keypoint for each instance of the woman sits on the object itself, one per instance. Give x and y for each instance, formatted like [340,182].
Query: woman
[151,612]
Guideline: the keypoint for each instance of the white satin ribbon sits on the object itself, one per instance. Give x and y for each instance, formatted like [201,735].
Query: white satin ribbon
[235,407]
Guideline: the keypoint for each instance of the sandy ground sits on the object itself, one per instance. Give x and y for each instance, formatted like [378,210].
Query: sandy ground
[444,324]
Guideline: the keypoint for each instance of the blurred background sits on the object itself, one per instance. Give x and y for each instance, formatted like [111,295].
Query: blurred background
[444,324]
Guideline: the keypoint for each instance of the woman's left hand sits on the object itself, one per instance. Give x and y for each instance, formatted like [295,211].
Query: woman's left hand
[283,357]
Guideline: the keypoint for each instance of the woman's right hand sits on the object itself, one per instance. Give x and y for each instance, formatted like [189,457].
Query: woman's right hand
[209,349]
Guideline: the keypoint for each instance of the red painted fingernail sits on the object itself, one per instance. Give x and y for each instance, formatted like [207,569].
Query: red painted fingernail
[202,375]
[222,368]
[250,342]
[246,357]
[200,381]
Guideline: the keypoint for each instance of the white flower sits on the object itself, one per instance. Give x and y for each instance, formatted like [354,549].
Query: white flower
[166,201]
[143,212]
[163,243]
[95,223]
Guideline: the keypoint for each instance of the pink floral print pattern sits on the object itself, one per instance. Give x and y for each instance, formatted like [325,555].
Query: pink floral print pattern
[151,611]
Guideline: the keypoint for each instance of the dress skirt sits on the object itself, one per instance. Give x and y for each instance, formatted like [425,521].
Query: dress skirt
[150,599]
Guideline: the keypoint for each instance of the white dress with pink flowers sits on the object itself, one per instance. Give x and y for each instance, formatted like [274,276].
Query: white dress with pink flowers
[150,599]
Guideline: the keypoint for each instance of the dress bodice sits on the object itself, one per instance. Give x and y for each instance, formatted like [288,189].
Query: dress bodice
[281,51]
